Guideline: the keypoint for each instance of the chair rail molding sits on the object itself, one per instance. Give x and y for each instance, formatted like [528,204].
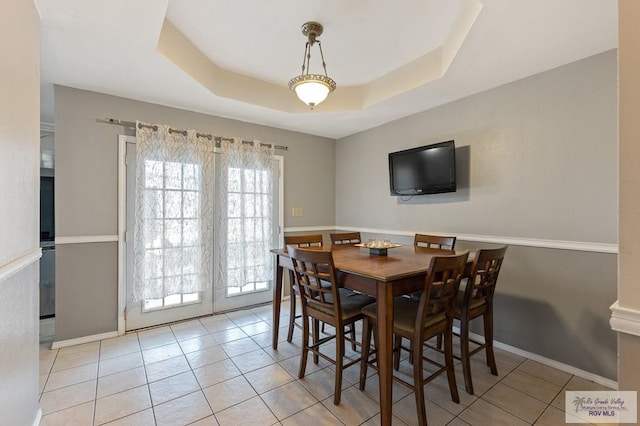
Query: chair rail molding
[87,239]
[625,320]
[19,263]
[516,241]
[310,228]
[47,127]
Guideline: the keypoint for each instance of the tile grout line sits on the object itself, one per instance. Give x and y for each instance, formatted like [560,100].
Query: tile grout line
[146,377]
[95,396]
[548,404]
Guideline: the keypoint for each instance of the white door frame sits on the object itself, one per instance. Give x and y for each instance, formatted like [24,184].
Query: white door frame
[122,215]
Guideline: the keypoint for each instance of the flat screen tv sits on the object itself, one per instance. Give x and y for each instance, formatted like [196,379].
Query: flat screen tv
[429,169]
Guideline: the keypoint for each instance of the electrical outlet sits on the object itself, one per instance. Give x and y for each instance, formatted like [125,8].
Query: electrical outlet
[297,212]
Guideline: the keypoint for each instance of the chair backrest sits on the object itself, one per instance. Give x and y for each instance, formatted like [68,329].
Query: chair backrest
[483,277]
[441,287]
[314,268]
[345,238]
[434,241]
[314,240]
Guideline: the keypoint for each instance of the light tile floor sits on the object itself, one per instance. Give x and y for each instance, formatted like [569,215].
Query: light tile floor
[221,370]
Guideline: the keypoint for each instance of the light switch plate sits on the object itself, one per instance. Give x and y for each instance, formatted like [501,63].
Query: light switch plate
[297,212]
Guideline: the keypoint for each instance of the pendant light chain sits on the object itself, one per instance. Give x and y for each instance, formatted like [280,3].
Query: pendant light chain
[324,64]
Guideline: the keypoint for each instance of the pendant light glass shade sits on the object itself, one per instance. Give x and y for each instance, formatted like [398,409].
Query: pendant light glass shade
[312,88]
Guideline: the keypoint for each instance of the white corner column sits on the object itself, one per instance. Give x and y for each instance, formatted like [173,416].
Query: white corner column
[625,318]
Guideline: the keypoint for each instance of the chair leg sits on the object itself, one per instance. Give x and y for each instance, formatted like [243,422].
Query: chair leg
[366,345]
[464,355]
[448,359]
[397,351]
[488,338]
[416,349]
[316,338]
[305,347]
[439,341]
[292,307]
[375,337]
[340,343]
[352,335]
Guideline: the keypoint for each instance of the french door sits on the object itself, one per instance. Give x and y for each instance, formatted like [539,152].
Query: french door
[253,291]
[220,298]
[171,308]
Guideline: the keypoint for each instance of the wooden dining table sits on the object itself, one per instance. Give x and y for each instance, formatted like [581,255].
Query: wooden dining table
[401,271]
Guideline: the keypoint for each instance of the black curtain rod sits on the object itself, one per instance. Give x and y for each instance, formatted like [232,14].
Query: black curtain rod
[216,139]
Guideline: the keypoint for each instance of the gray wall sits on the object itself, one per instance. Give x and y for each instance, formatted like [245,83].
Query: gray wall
[86,193]
[537,159]
[19,201]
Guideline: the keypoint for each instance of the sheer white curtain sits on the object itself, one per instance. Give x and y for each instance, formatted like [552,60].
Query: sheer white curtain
[173,241]
[245,214]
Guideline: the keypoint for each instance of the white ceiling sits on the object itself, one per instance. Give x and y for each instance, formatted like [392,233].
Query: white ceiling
[113,47]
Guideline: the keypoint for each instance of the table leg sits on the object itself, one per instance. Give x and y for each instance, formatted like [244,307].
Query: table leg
[384,296]
[277,301]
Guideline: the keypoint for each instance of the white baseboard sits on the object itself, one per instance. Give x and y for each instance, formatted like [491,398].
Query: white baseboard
[36,422]
[548,362]
[85,339]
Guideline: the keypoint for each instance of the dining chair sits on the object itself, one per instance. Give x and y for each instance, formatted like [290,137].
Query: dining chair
[345,238]
[434,241]
[418,321]
[314,240]
[476,300]
[430,241]
[331,304]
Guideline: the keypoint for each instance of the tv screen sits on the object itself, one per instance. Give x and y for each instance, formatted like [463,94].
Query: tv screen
[429,169]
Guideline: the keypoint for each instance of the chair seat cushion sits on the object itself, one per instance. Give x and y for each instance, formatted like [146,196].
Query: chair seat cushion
[351,303]
[473,303]
[405,311]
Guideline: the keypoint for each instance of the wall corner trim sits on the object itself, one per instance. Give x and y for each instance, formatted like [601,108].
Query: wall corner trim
[19,263]
[625,320]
